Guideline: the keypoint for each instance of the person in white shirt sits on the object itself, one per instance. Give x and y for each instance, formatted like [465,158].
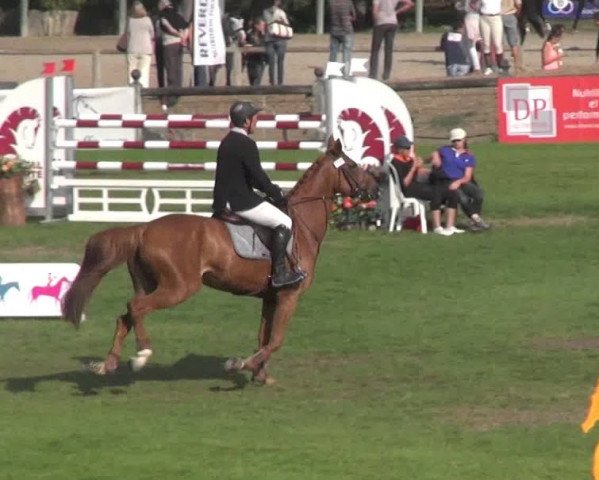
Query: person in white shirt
[140,43]
[491,29]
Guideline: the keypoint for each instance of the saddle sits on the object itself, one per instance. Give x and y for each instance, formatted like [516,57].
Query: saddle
[250,240]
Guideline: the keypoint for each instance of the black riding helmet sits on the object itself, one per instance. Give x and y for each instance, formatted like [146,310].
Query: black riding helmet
[241,111]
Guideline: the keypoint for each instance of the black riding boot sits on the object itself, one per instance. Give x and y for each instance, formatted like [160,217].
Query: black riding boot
[281,276]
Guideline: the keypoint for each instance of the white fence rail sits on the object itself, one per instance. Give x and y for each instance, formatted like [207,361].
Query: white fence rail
[111,200]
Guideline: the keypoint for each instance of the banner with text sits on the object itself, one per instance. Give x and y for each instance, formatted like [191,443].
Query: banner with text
[208,37]
[548,109]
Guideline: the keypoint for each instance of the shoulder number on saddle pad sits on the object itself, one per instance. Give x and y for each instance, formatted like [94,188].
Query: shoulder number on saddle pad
[337,163]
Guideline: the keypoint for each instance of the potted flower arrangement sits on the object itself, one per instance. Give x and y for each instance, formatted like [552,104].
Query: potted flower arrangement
[17,180]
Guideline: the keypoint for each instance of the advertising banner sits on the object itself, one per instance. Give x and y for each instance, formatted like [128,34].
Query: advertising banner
[357,119]
[548,109]
[208,38]
[34,289]
[567,9]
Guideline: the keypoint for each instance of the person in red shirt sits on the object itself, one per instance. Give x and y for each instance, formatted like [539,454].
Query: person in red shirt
[408,166]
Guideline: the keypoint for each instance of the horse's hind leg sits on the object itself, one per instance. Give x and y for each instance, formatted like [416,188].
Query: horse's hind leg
[141,284]
[172,289]
[111,363]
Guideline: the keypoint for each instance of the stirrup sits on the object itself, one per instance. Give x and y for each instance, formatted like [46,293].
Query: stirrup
[288,279]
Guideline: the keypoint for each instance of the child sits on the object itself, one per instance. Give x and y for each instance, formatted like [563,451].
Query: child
[456,46]
[552,53]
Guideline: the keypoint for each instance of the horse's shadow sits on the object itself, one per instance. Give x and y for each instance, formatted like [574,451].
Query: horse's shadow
[191,367]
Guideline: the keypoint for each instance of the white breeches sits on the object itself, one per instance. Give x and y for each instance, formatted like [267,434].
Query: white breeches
[142,62]
[266,214]
[491,29]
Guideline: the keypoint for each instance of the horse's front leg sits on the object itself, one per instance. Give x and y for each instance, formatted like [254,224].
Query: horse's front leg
[268,309]
[110,364]
[283,309]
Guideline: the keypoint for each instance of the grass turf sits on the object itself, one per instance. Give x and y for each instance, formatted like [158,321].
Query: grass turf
[411,357]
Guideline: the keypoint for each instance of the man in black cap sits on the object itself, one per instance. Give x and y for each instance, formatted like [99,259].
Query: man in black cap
[238,172]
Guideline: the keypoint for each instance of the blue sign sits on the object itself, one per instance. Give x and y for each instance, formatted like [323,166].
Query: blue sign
[566,9]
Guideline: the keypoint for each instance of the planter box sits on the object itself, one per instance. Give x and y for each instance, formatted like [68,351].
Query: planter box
[12,201]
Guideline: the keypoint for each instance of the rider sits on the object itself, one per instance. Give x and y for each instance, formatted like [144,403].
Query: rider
[238,172]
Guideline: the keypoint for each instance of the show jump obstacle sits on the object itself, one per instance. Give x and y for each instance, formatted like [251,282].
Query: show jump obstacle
[46,121]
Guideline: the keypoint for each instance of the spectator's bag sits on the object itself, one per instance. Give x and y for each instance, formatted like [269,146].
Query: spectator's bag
[280,30]
[121,45]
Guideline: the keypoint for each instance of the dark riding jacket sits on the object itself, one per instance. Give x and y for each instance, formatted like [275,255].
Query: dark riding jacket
[238,172]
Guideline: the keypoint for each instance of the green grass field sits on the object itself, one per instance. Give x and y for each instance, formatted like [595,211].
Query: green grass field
[412,356]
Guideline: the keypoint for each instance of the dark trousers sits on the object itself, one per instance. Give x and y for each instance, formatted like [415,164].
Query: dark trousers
[255,66]
[159,64]
[379,33]
[275,51]
[200,76]
[438,194]
[471,198]
[173,64]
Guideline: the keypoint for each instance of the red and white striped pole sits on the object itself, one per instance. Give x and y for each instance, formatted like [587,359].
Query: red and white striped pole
[167,166]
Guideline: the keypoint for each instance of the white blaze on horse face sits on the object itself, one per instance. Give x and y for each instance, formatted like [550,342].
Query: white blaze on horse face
[352,138]
[337,163]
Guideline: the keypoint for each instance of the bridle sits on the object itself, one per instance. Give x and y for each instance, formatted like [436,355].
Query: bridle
[356,190]
[343,169]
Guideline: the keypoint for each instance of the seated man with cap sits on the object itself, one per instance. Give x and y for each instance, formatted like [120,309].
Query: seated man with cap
[238,172]
[407,166]
[453,166]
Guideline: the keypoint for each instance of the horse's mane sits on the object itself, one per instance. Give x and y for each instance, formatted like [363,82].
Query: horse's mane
[308,174]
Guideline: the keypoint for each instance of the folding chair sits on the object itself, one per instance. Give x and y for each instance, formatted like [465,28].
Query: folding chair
[403,207]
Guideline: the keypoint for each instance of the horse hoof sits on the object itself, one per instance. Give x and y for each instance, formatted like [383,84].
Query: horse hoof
[233,364]
[99,368]
[139,361]
[266,380]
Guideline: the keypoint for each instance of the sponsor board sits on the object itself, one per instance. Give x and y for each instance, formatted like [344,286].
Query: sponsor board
[548,109]
[34,289]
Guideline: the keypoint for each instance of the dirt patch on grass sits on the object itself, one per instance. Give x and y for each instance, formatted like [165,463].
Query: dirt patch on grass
[555,221]
[35,253]
[566,343]
[483,419]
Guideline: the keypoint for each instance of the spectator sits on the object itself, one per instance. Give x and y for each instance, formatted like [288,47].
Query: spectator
[255,61]
[234,34]
[453,166]
[408,167]
[456,46]
[140,43]
[472,24]
[275,43]
[510,10]
[552,53]
[343,14]
[491,28]
[384,19]
[173,31]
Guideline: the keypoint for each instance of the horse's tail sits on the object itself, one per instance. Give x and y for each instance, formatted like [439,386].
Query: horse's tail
[104,251]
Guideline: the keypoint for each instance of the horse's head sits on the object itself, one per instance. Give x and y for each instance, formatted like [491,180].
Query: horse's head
[353,181]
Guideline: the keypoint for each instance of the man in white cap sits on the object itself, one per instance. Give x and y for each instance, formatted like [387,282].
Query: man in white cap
[238,172]
[454,164]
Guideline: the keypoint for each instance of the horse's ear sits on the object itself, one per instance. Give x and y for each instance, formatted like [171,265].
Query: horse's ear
[330,144]
[338,147]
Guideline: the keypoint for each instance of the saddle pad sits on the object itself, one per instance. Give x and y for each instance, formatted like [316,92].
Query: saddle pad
[248,244]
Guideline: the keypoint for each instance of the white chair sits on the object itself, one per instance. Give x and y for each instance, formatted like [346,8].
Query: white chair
[401,206]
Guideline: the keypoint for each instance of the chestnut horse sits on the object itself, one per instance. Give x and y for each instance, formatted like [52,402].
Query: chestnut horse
[171,258]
